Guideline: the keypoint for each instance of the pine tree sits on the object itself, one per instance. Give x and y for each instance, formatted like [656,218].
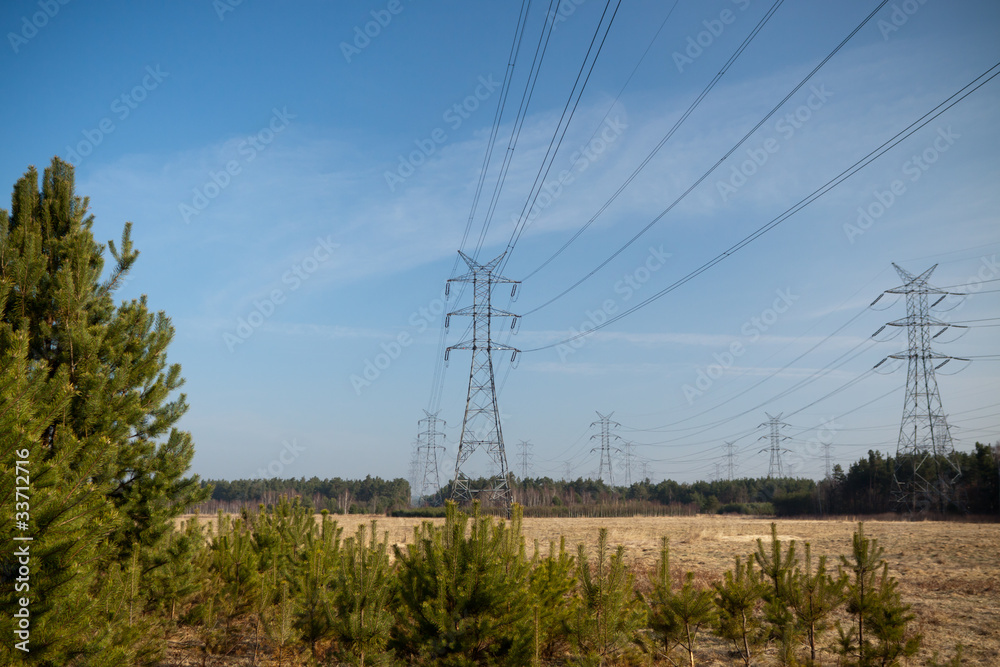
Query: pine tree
[61,578]
[463,594]
[363,591]
[878,635]
[676,616]
[815,596]
[553,582]
[318,564]
[609,615]
[739,597]
[778,569]
[236,565]
[889,624]
[174,578]
[108,464]
[278,619]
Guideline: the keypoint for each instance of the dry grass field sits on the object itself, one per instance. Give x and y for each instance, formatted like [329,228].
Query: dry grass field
[948,571]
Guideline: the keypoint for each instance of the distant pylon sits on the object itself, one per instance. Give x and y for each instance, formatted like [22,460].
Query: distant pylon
[628,457]
[414,472]
[926,472]
[731,460]
[774,468]
[481,424]
[606,436]
[525,456]
[827,460]
[427,458]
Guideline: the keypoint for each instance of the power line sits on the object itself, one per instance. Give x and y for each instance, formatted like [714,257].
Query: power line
[708,88]
[717,164]
[529,89]
[437,378]
[536,187]
[881,150]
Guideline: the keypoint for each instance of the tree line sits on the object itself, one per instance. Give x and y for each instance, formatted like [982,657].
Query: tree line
[868,486]
[371,495]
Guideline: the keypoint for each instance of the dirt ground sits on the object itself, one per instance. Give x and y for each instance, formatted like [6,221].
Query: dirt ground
[948,571]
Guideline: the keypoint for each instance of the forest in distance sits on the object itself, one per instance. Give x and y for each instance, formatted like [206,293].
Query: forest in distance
[865,488]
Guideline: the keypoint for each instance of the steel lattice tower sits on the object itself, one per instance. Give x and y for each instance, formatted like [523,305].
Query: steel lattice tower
[606,436]
[414,467]
[774,468]
[629,456]
[525,456]
[731,459]
[925,473]
[427,456]
[481,425]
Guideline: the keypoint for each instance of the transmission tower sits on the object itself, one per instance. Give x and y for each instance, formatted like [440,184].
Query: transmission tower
[646,471]
[414,471]
[731,460]
[606,436]
[926,472]
[481,424]
[427,456]
[525,456]
[774,469]
[827,460]
[628,452]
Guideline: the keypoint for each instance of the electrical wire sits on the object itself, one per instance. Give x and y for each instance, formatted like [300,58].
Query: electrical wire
[536,187]
[878,152]
[694,105]
[711,170]
[515,133]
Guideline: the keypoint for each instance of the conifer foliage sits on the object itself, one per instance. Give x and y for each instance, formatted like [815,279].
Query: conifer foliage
[88,393]
[676,616]
[879,633]
[464,593]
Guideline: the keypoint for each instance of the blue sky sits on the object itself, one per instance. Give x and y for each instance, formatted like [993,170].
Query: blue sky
[299,190]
